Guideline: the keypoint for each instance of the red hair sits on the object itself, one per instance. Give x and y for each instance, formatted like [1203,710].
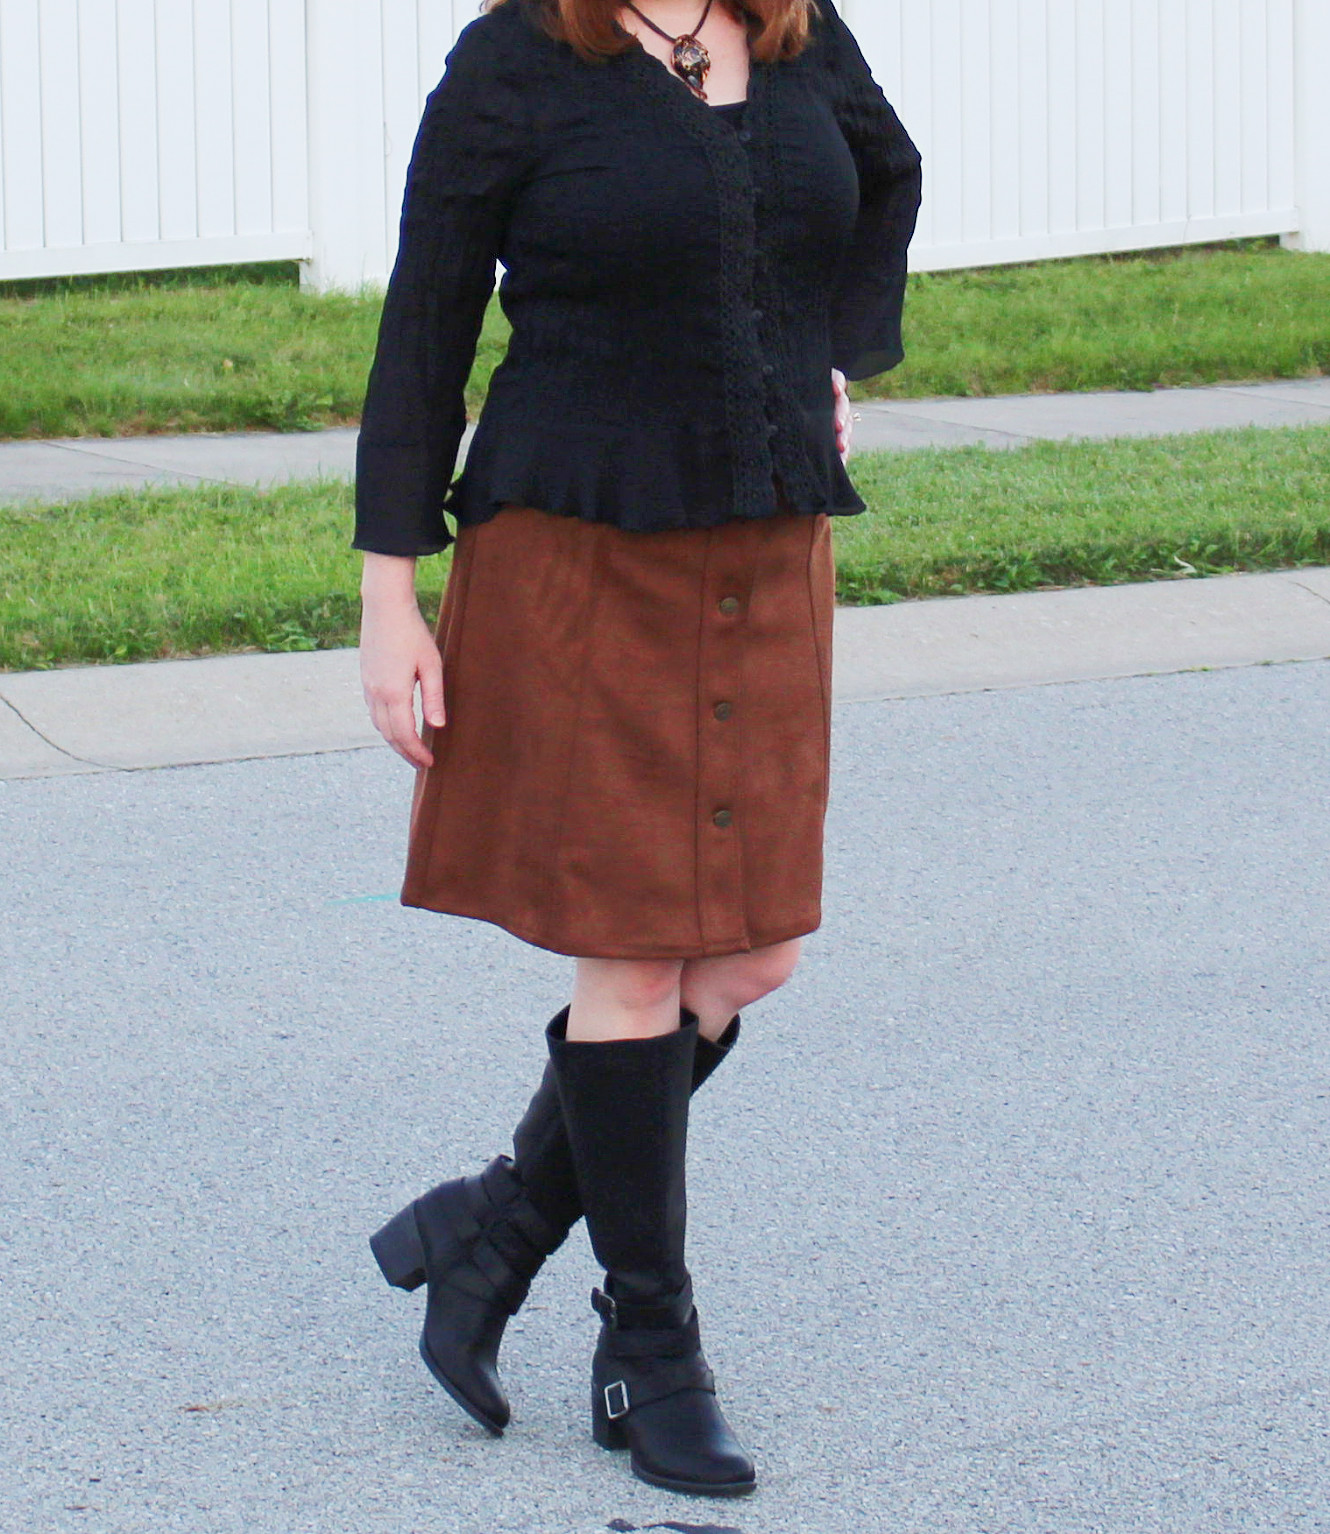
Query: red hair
[778,29]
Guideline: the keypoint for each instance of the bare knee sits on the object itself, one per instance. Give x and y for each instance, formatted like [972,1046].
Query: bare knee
[740,979]
[767,969]
[633,986]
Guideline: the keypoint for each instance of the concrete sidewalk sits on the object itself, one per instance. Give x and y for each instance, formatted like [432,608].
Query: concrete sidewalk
[227,708]
[65,468]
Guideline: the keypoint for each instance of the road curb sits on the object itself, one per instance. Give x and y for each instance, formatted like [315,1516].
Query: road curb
[227,708]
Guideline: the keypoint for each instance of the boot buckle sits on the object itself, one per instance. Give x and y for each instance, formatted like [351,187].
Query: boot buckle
[616,1400]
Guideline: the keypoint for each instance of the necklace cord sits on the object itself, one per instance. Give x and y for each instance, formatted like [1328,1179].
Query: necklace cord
[661,32]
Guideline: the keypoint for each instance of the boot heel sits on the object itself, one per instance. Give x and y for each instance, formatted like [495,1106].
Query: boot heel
[606,1432]
[399,1252]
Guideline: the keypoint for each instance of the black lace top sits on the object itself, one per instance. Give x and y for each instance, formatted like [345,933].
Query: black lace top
[679,287]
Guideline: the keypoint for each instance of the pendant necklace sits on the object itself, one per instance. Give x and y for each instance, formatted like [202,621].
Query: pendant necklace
[691,59]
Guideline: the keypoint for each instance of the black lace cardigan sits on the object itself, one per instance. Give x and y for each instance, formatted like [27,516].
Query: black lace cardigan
[678,292]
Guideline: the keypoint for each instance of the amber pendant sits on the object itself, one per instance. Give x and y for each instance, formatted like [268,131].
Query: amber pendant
[692,62]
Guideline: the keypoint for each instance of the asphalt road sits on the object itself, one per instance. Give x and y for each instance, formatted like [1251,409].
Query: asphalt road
[1009,1216]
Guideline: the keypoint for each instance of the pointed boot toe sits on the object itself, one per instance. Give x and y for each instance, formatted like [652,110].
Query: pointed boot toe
[685,1444]
[459,1345]
[653,1394]
[477,1242]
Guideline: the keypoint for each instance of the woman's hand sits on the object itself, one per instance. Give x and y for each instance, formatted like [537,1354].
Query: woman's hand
[397,651]
[844,415]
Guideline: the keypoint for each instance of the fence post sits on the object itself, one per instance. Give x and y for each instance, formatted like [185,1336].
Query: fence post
[1311,124]
[346,141]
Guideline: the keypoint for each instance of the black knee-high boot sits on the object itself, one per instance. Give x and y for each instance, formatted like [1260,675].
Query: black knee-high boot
[625,1106]
[479,1241]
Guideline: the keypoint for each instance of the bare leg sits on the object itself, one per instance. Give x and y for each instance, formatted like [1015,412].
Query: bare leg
[624,999]
[718,988]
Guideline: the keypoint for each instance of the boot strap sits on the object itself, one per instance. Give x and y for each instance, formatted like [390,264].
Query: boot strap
[502,1182]
[668,1378]
[484,1272]
[506,1192]
[673,1314]
[486,1277]
[489,1271]
[643,1349]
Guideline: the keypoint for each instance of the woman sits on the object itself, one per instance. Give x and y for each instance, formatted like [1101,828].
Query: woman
[703,222]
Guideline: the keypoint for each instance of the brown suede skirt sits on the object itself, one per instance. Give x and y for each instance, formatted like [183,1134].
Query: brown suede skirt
[635,758]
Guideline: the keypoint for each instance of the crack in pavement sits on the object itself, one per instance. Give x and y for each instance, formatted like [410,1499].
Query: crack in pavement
[86,761]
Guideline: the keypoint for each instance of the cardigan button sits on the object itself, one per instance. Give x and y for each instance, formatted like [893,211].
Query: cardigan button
[729,604]
[757,314]
[723,710]
[745,137]
[768,368]
[722,818]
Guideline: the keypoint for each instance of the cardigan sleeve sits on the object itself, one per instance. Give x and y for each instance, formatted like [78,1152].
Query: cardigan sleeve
[470,153]
[870,295]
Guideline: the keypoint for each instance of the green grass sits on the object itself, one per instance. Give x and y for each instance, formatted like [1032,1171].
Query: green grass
[148,574]
[223,350]
[138,575]
[237,348]
[1163,319]
[1085,513]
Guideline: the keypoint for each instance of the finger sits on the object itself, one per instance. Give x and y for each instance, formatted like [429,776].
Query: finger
[403,737]
[402,729]
[387,717]
[378,714]
[411,749]
[431,690]
[382,706]
[383,724]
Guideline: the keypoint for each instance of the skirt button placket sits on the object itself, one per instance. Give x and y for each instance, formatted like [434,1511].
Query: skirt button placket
[721,896]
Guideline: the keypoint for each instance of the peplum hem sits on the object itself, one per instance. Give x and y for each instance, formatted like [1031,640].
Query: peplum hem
[665,480]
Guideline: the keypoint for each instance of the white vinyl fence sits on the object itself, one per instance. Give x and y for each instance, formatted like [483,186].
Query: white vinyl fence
[140,134]
[152,133]
[1062,127]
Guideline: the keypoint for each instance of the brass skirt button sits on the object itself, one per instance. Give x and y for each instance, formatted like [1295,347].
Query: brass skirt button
[729,604]
[722,818]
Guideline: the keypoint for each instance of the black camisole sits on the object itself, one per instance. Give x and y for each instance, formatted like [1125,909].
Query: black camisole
[731,111]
